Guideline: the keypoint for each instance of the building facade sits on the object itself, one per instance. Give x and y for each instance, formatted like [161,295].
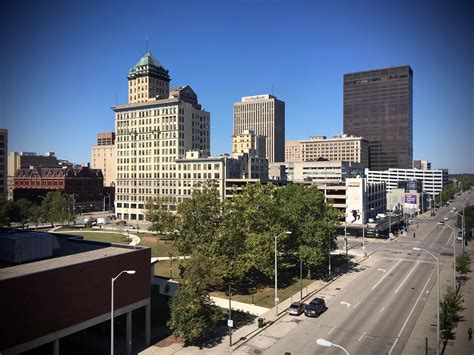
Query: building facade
[433,181]
[265,116]
[19,160]
[321,172]
[357,199]
[339,147]
[250,143]
[104,157]
[378,105]
[85,184]
[421,164]
[3,163]
[151,134]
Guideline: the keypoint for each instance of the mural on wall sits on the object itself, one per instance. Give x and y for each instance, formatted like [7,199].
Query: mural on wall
[356,215]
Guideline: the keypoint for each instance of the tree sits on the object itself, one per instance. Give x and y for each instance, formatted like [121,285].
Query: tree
[193,314]
[35,214]
[463,264]
[4,220]
[450,305]
[57,207]
[199,220]
[162,220]
[23,207]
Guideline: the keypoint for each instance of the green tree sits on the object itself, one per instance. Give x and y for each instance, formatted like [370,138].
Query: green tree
[4,219]
[23,207]
[35,215]
[193,314]
[162,220]
[57,207]
[199,220]
[450,307]
[463,264]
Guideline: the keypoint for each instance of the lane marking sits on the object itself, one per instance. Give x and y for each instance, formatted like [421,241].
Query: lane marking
[382,309]
[356,305]
[361,337]
[406,277]
[409,315]
[414,261]
[383,270]
[331,330]
[450,236]
[345,304]
[388,273]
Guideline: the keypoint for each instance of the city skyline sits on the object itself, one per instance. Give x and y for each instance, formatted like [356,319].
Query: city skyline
[74,70]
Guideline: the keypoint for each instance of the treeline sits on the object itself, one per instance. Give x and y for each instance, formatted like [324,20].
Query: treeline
[55,207]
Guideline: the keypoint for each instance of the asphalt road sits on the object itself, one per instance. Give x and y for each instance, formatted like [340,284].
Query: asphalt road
[373,310]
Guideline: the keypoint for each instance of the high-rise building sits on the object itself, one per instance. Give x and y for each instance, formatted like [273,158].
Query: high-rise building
[378,105]
[265,116]
[152,132]
[104,157]
[250,143]
[3,162]
[421,164]
[147,80]
[339,147]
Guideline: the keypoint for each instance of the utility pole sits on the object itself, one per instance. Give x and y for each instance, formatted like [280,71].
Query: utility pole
[301,278]
[345,236]
[230,316]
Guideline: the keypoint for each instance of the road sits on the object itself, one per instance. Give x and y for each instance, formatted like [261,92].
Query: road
[374,309]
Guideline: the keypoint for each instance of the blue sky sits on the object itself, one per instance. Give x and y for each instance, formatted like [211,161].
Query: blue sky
[64,64]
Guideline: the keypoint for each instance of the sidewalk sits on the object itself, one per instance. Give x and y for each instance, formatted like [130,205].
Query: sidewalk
[425,326]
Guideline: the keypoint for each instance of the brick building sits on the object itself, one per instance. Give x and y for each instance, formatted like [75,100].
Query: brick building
[84,183]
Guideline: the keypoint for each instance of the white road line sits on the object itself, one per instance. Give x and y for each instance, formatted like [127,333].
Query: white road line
[382,309]
[406,277]
[386,274]
[413,260]
[356,305]
[361,337]
[450,235]
[409,315]
[331,331]
[383,270]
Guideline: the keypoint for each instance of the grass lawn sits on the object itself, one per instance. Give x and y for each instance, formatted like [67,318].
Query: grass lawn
[162,268]
[106,237]
[264,297]
[158,247]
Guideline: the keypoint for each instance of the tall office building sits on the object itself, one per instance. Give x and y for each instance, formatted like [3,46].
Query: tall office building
[152,132]
[421,164]
[104,157]
[265,116]
[378,105]
[3,162]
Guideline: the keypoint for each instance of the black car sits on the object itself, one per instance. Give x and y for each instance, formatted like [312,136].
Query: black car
[315,307]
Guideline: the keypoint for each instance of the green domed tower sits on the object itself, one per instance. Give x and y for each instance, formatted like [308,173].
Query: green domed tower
[147,80]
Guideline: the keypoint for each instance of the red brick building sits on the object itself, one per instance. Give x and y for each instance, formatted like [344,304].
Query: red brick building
[84,183]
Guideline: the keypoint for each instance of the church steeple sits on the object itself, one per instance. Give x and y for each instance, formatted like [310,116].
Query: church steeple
[148,79]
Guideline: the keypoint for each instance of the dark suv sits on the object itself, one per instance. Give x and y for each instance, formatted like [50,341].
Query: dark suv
[315,307]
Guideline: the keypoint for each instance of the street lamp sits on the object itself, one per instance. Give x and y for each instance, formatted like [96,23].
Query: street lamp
[130,272]
[454,255]
[437,306]
[328,344]
[276,274]
[462,224]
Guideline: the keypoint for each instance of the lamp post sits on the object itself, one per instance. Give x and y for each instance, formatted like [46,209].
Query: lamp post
[329,257]
[328,344]
[276,274]
[454,255]
[106,196]
[130,272]
[462,224]
[437,305]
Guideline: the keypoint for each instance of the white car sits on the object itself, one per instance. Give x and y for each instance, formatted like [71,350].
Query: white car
[128,227]
[446,218]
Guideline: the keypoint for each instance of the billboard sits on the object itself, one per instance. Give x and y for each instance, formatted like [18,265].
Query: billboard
[410,199]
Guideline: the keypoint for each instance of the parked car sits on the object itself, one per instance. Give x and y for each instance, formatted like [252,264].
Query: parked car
[441,223]
[297,308]
[446,218]
[459,236]
[128,227]
[315,307]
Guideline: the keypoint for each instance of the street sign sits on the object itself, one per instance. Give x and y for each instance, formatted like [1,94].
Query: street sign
[277,299]
[230,323]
